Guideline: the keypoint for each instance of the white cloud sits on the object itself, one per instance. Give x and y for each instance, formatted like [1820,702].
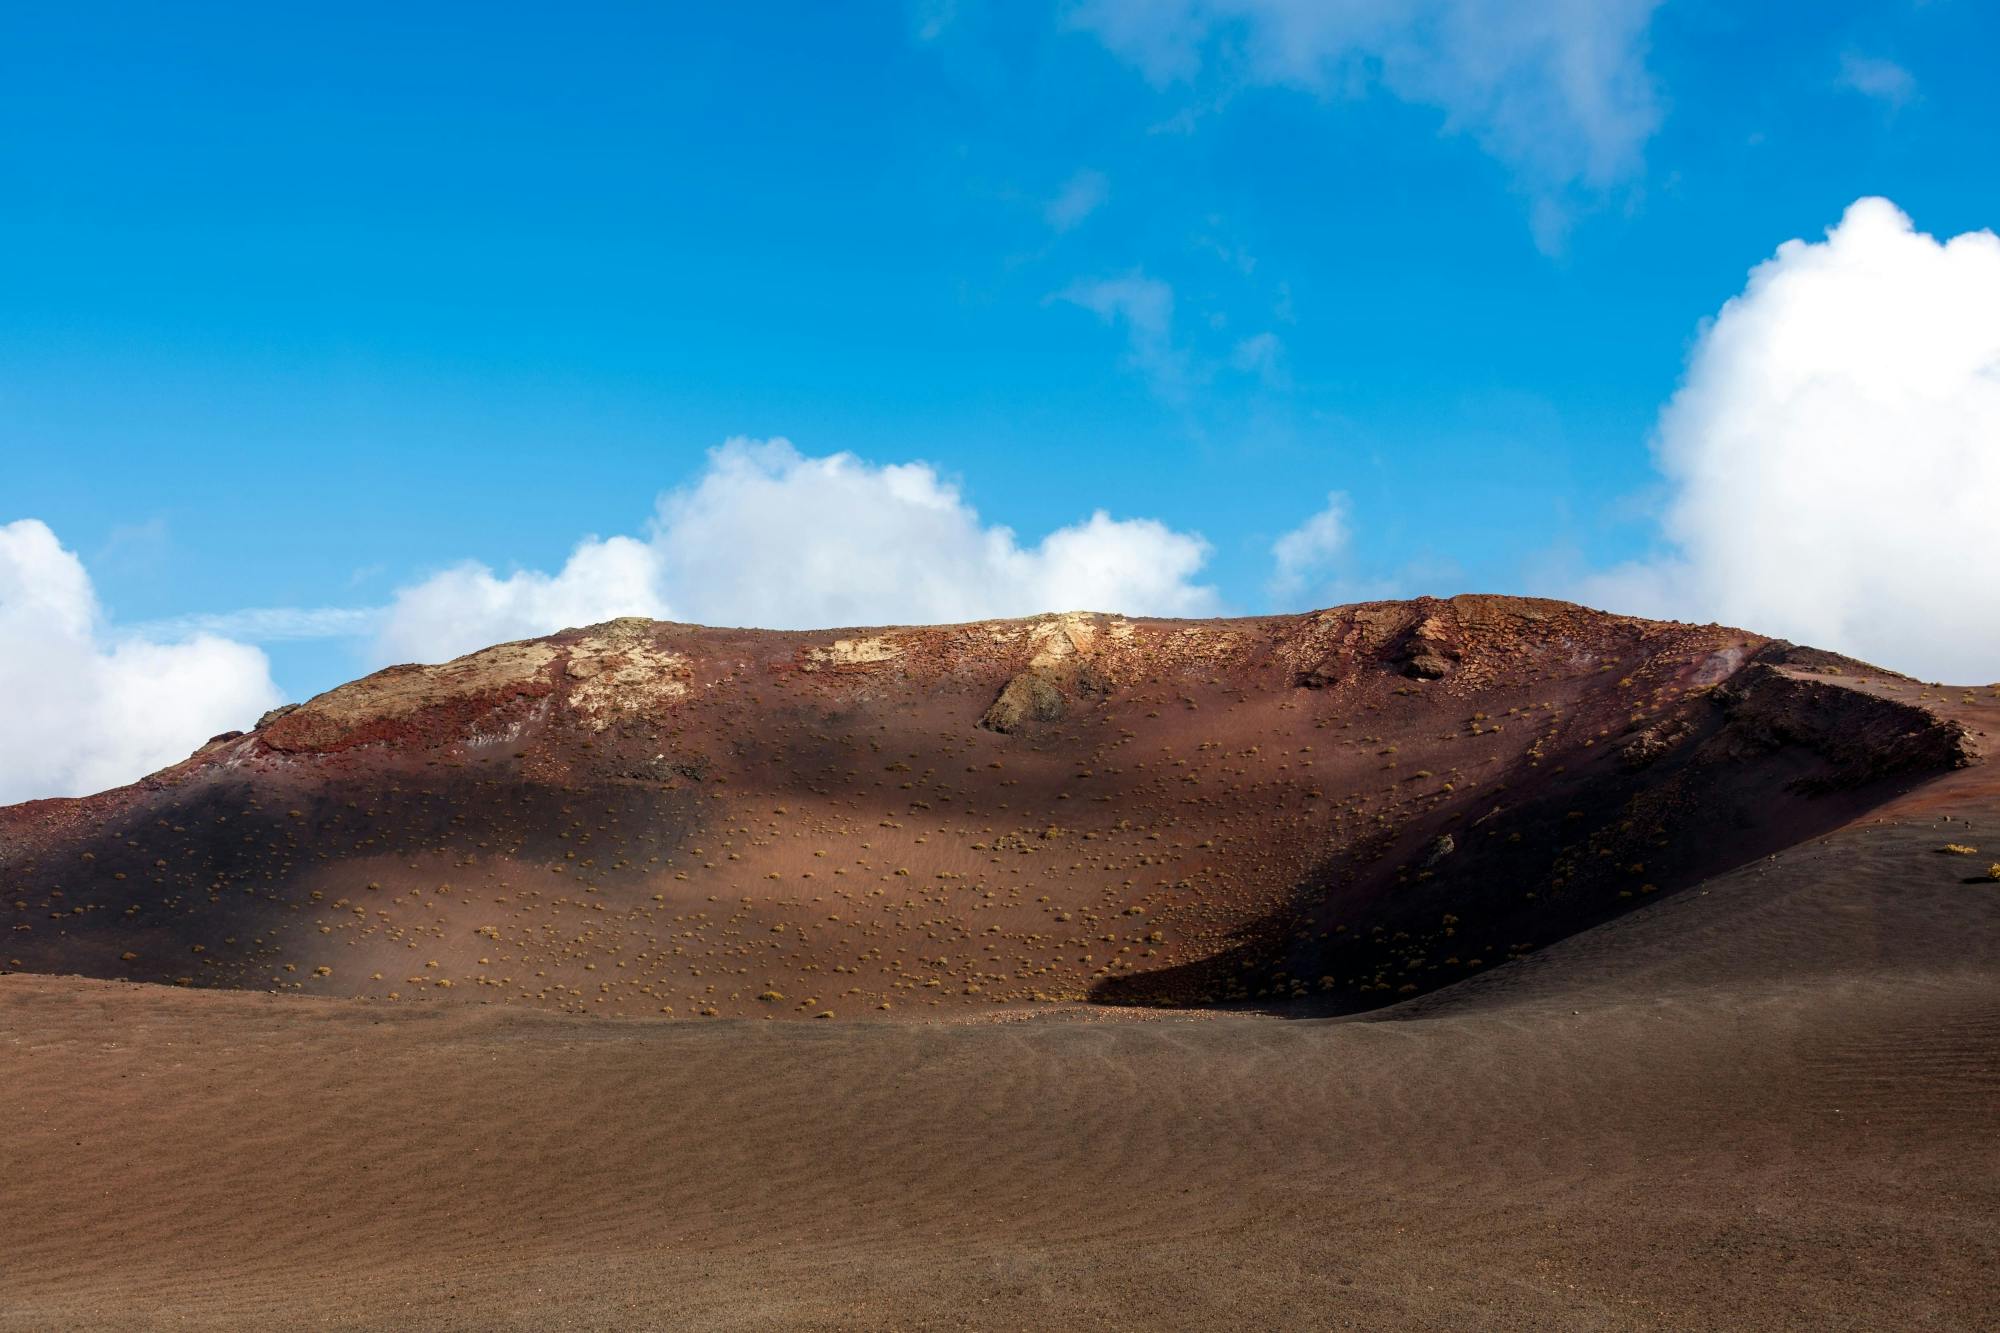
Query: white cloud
[468,607]
[768,536]
[1558,91]
[1834,454]
[1883,80]
[88,709]
[1144,307]
[1081,195]
[1304,558]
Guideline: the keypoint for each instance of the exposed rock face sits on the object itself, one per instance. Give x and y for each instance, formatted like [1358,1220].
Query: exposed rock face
[624,674]
[1032,696]
[1072,655]
[1431,649]
[852,652]
[1424,640]
[640,817]
[1773,705]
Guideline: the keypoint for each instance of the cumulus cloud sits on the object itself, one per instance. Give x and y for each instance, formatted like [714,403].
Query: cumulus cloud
[1558,91]
[1833,457]
[1305,557]
[88,708]
[468,607]
[1081,195]
[771,537]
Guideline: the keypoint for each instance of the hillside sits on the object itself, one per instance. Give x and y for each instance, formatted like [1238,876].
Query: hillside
[1321,813]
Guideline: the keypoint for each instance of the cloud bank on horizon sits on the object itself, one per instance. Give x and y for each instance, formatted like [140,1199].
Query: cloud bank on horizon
[1832,465]
[770,537]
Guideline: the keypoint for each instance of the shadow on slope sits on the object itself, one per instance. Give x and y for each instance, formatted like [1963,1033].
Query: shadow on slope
[1773,758]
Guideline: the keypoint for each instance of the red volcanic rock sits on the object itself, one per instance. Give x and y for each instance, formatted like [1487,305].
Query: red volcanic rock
[1336,809]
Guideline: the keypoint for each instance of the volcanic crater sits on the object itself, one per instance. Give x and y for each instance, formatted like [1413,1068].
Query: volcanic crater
[1315,814]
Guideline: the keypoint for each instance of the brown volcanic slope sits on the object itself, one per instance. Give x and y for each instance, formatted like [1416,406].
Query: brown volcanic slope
[1764,1098]
[1339,810]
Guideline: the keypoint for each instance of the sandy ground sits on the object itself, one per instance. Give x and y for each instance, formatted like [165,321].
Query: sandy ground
[1769,1101]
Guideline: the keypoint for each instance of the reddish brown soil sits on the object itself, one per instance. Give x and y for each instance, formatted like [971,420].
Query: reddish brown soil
[1762,1093]
[661,820]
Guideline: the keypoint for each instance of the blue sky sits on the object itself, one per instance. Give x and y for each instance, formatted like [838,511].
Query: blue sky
[300,306]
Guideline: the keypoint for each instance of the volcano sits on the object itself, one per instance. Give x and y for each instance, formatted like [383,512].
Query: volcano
[1335,811]
[1480,960]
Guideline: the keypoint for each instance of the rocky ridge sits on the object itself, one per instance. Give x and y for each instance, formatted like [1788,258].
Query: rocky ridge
[1335,809]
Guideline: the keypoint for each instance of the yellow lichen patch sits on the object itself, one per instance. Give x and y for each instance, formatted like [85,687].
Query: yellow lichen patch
[1073,638]
[1061,637]
[399,691]
[621,671]
[852,652]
